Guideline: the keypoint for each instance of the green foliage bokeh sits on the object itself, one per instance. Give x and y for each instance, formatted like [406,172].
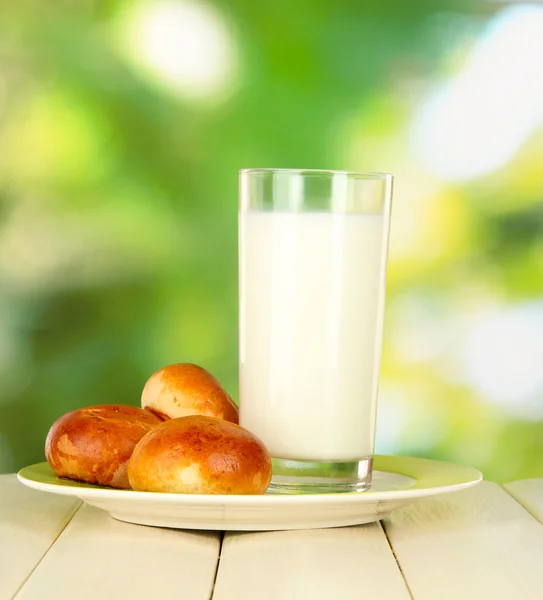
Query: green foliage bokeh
[118,209]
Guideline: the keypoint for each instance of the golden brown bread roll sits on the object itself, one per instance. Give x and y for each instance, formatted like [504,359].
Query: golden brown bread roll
[185,389]
[93,444]
[200,455]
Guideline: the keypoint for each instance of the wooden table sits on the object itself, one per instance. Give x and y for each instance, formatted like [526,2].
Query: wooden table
[484,543]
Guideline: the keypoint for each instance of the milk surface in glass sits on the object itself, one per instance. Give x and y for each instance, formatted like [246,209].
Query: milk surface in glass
[311,303]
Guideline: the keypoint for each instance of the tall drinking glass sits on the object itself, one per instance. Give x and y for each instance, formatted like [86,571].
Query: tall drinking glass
[313,254]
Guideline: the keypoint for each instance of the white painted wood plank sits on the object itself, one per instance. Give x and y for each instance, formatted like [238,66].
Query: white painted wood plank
[100,558]
[345,563]
[30,522]
[529,493]
[476,544]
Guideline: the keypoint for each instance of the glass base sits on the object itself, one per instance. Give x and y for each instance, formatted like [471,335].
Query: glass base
[318,477]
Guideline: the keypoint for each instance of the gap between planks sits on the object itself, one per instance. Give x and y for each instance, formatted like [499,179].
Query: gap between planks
[397,561]
[529,493]
[217,567]
[100,557]
[473,544]
[53,542]
[309,564]
[30,524]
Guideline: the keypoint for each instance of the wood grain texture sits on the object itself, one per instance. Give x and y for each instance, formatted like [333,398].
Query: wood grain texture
[345,563]
[100,558]
[475,544]
[529,493]
[30,522]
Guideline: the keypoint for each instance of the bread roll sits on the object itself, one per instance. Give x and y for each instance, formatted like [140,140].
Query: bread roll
[200,455]
[185,389]
[94,444]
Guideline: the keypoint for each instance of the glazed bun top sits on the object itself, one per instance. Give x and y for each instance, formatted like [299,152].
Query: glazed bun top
[184,389]
[200,455]
[93,444]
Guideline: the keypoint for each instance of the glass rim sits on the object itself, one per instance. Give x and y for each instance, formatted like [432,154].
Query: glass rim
[370,175]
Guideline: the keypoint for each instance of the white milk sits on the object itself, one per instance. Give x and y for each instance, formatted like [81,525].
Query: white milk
[311,296]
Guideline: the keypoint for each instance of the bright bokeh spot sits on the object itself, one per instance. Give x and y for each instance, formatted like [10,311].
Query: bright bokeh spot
[502,357]
[184,46]
[475,123]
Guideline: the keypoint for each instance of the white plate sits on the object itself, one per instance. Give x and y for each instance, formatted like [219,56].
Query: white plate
[397,481]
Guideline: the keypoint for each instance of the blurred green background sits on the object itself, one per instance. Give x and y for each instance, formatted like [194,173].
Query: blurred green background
[123,124]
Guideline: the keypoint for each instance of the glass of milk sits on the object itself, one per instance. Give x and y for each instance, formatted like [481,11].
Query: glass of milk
[313,253]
